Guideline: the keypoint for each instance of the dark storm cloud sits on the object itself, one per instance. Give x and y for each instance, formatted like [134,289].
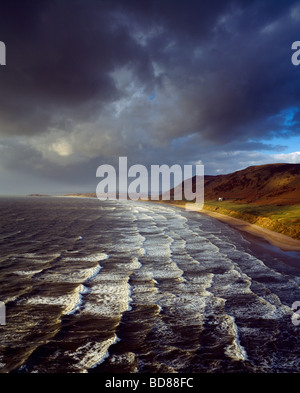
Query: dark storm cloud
[60,54]
[242,75]
[89,80]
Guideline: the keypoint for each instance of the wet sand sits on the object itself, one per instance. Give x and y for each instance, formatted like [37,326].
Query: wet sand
[279,240]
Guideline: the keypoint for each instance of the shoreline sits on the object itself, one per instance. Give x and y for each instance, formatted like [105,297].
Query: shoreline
[283,242]
[279,240]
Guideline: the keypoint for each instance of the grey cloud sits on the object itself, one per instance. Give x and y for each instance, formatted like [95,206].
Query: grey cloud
[60,64]
[157,81]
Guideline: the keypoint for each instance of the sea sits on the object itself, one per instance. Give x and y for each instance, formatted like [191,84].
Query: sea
[95,286]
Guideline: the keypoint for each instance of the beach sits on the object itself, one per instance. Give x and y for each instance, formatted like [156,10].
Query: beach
[285,243]
[276,239]
[279,240]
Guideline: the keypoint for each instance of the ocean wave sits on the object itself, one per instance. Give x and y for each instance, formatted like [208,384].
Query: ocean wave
[169,289]
[91,354]
[69,302]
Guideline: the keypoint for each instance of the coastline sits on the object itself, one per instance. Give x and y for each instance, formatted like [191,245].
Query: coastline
[285,243]
[279,240]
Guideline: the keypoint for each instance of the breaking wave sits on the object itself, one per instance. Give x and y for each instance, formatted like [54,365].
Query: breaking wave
[116,286]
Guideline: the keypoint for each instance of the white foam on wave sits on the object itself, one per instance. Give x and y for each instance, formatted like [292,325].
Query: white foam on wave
[70,302]
[92,354]
[185,304]
[141,251]
[127,358]
[138,209]
[199,285]
[27,272]
[262,296]
[108,297]
[65,274]
[157,250]
[168,272]
[178,245]
[97,257]
[83,275]
[92,272]
[106,208]
[231,282]
[235,350]
[145,293]
[235,283]
[134,264]
[129,266]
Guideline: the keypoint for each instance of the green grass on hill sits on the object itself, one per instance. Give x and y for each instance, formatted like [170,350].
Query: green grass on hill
[289,212]
[282,219]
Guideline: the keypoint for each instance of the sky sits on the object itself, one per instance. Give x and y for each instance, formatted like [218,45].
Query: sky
[156,81]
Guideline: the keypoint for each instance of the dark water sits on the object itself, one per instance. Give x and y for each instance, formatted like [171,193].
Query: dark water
[121,286]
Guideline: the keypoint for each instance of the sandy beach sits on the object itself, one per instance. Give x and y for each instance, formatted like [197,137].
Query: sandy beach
[279,240]
[283,242]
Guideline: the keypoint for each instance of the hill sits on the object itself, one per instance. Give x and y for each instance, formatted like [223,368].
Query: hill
[274,184]
[264,195]
[271,184]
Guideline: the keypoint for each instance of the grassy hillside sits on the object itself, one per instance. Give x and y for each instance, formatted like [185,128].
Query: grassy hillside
[281,219]
[265,195]
[275,184]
